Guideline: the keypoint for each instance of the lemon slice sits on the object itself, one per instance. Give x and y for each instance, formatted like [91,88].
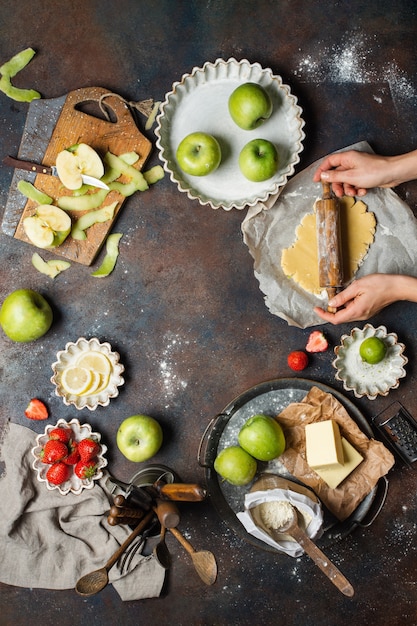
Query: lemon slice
[76,380]
[104,383]
[94,386]
[96,361]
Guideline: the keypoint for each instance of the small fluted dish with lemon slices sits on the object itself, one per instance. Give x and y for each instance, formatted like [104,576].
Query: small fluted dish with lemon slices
[87,374]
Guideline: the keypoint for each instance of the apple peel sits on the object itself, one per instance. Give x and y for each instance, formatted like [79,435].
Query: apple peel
[12,67]
[112,253]
[89,219]
[120,167]
[32,193]
[154,174]
[50,268]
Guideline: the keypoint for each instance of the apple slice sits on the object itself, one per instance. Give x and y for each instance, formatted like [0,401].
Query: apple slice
[48,227]
[50,268]
[39,233]
[75,161]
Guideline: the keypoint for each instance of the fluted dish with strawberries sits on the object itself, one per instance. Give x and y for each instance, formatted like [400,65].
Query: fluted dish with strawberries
[69,457]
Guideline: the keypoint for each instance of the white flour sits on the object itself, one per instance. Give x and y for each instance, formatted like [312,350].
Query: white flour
[353,61]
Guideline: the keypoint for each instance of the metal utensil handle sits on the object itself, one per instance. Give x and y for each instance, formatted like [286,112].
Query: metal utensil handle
[203,445]
[142,524]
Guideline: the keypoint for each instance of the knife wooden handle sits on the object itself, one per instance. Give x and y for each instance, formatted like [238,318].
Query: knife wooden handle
[28,166]
[329,243]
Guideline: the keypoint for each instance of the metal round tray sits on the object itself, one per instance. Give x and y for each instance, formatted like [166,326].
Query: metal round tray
[271,398]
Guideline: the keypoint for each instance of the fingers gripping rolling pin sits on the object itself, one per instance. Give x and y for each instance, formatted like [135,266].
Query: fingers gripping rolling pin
[329,246]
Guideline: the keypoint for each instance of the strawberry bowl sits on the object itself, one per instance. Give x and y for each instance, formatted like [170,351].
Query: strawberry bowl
[73,484]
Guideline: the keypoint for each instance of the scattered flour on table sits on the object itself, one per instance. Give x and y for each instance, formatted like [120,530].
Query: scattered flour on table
[168,365]
[350,61]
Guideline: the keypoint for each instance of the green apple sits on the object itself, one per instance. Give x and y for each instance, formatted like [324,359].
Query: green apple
[75,161]
[258,160]
[25,315]
[139,437]
[235,465]
[262,437]
[48,227]
[199,154]
[249,106]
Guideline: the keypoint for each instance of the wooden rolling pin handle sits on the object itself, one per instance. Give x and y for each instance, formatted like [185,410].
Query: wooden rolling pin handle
[125,511]
[182,491]
[121,521]
[167,512]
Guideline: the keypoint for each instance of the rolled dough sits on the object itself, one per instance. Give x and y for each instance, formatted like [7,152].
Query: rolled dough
[300,261]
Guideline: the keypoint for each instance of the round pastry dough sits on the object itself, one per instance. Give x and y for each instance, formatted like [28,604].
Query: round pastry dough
[357,225]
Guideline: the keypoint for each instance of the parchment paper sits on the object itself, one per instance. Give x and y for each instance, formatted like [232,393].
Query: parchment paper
[267,230]
[318,406]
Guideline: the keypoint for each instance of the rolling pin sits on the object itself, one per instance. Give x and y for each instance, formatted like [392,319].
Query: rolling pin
[329,246]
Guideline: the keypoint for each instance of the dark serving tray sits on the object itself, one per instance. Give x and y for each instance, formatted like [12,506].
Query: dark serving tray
[271,398]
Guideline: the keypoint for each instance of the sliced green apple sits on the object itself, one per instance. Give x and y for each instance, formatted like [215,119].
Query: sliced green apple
[39,233]
[50,268]
[77,160]
[48,227]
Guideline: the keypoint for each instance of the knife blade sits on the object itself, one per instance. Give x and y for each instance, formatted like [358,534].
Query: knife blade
[51,170]
[329,245]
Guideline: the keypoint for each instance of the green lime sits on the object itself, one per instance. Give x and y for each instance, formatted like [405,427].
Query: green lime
[372,350]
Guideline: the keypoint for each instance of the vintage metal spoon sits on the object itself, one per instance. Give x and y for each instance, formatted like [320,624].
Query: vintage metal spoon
[292,529]
[161,552]
[95,581]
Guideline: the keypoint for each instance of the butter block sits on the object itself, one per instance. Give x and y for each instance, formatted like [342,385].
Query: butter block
[324,445]
[333,477]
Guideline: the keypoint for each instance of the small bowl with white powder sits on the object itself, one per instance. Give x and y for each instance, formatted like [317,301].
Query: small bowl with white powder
[269,507]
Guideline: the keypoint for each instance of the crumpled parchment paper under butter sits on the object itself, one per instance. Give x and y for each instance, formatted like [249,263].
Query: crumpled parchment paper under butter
[269,228]
[318,406]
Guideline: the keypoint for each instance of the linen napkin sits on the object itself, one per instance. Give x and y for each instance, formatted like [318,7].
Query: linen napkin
[49,541]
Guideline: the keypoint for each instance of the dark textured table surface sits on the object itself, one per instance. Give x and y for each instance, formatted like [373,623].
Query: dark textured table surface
[183,307]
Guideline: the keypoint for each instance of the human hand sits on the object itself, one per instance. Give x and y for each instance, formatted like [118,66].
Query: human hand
[363,298]
[351,173]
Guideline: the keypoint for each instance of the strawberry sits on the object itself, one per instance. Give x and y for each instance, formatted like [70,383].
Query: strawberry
[73,454]
[297,360]
[54,451]
[88,449]
[86,469]
[317,342]
[61,434]
[36,410]
[58,473]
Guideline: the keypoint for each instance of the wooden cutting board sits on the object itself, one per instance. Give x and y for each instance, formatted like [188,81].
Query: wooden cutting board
[75,124]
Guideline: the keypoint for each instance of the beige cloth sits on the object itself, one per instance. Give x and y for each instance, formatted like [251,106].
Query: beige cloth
[49,541]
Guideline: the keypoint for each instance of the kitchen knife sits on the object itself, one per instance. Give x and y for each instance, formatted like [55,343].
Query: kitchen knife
[50,170]
[329,245]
